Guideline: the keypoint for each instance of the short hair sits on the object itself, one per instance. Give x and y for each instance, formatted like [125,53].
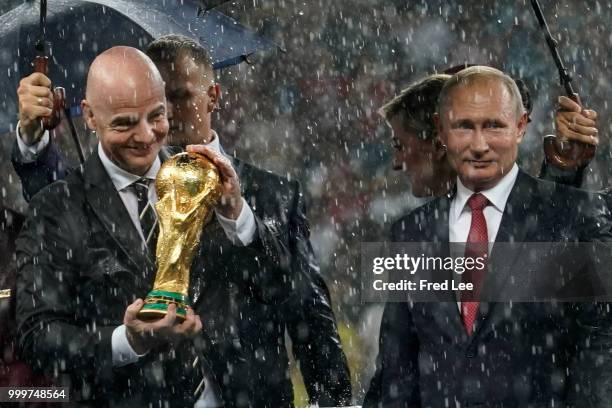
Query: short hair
[477,73]
[169,48]
[416,105]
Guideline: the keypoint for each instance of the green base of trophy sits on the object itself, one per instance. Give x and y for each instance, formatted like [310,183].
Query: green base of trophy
[157,302]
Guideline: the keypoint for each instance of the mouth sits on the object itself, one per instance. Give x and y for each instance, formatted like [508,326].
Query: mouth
[479,163]
[140,150]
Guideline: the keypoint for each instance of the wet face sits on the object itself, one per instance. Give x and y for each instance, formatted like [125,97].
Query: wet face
[192,96]
[416,157]
[131,125]
[482,131]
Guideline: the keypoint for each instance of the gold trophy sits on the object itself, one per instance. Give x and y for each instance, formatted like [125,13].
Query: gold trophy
[188,188]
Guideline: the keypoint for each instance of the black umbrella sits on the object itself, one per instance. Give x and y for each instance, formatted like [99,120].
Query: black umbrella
[78,30]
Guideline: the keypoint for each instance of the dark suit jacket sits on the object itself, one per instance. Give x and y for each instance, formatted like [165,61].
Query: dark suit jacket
[243,297]
[521,354]
[80,265]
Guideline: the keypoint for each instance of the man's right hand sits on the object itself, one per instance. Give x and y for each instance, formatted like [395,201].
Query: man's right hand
[573,122]
[35,102]
[144,335]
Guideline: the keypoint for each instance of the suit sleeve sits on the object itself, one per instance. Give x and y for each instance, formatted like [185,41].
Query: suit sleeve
[396,380]
[58,330]
[573,178]
[280,251]
[311,323]
[590,375]
[48,167]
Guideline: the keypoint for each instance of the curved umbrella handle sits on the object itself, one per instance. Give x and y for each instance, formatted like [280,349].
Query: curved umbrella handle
[567,155]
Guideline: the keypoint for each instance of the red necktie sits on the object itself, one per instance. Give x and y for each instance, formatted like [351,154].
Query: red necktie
[477,245]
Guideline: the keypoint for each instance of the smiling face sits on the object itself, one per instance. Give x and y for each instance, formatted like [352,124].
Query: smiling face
[481,129]
[132,130]
[126,107]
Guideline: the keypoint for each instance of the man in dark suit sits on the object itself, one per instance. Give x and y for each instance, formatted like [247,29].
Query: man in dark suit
[83,263]
[467,353]
[251,363]
[277,205]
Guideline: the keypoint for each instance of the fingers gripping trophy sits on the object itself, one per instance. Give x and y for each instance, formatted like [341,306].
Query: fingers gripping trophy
[188,189]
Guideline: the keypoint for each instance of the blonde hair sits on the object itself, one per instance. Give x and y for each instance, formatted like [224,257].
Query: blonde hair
[416,105]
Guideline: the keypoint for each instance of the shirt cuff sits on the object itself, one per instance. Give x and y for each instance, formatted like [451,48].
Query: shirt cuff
[30,153]
[242,230]
[123,353]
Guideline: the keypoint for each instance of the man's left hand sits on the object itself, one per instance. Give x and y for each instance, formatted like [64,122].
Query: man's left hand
[231,199]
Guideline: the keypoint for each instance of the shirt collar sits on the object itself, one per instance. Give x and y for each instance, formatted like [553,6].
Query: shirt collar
[122,178]
[214,143]
[497,195]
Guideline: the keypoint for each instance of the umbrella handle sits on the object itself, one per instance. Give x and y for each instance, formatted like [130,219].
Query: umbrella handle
[41,64]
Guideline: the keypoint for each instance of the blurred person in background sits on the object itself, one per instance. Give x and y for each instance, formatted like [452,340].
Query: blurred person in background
[83,262]
[457,338]
[272,207]
[419,152]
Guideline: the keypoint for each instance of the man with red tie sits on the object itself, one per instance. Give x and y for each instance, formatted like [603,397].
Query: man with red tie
[467,352]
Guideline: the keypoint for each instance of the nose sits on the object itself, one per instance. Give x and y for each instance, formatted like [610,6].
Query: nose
[479,144]
[145,132]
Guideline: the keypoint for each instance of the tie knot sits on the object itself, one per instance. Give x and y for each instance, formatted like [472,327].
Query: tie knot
[477,202]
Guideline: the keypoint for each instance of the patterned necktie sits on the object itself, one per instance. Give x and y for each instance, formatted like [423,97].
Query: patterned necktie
[146,214]
[477,245]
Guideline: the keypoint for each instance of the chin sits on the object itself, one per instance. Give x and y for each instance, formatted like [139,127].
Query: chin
[140,165]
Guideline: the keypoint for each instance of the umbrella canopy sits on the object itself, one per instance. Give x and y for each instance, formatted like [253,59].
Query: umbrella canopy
[78,30]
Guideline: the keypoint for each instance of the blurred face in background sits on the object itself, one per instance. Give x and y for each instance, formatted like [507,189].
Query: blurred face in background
[192,96]
[420,158]
[481,128]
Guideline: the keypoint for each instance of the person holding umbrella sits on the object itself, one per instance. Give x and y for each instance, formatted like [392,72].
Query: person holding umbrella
[482,121]
[82,262]
[418,152]
[270,210]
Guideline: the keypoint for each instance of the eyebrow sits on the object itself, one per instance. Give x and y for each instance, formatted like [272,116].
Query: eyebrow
[485,122]
[461,122]
[160,109]
[126,120]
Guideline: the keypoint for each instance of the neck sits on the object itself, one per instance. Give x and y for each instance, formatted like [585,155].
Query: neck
[204,135]
[445,180]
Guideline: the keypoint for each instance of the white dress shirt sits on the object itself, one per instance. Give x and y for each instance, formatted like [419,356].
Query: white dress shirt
[460,216]
[240,232]
[31,152]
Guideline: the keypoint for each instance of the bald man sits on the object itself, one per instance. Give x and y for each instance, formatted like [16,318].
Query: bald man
[84,262]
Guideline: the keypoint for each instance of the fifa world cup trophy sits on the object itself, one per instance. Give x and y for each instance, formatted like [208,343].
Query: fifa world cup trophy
[188,189]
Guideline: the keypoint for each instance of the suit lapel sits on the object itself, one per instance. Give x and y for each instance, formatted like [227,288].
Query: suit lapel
[110,210]
[445,311]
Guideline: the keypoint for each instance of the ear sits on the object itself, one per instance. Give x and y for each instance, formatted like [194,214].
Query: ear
[436,120]
[440,149]
[88,115]
[214,95]
[522,126]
